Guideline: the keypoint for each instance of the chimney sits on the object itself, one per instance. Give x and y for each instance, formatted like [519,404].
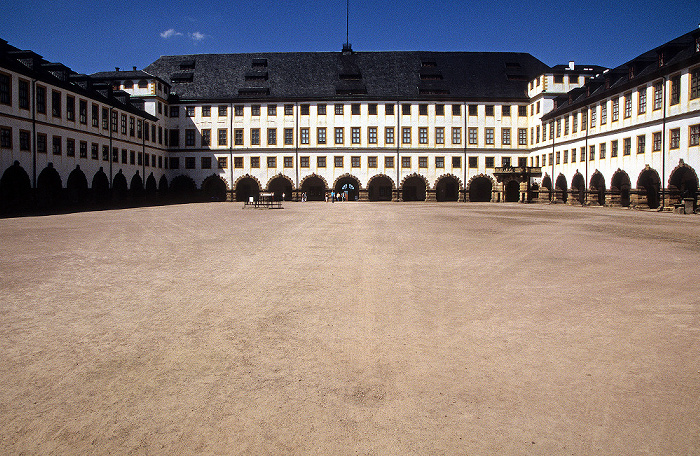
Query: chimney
[571,65]
[117,68]
[134,68]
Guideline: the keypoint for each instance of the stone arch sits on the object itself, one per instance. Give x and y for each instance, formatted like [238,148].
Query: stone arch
[315,187]
[597,187]
[214,188]
[380,187]
[546,187]
[414,187]
[151,186]
[511,191]
[49,186]
[561,187]
[281,184]
[578,187]
[649,183]
[15,188]
[163,184]
[348,183]
[683,182]
[136,185]
[119,185]
[547,182]
[620,188]
[77,186]
[100,186]
[480,188]
[247,186]
[447,187]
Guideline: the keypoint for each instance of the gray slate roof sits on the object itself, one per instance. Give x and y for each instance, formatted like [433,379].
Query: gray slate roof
[360,75]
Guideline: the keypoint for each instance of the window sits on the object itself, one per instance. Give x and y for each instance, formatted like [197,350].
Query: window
[255,162]
[339,110]
[613,149]
[321,109]
[422,110]
[372,135]
[304,135]
[355,109]
[558,128]
[604,113]
[423,135]
[355,132]
[339,135]
[272,162]
[132,126]
[174,162]
[522,111]
[123,124]
[271,136]
[94,151]
[223,111]
[582,154]
[473,109]
[656,138]
[456,162]
[694,83]
[255,110]
[255,136]
[6,89]
[439,162]
[405,162]
[304,162]
[389,110]
[456,110]
[70,148]
[627,146]
[584,119]
[189,137]
[206,137]
[6,138]
[372,162]
[238,162]
[289,136]
[591,153]
[320,162]
[406,109]
[41,99]
[56,145]
[658,95]
[439,109]
[338,161]
[601,147]
[489,136]
[321,135]
[566,125]
[388,162]
[304,110]
[594,110]
[422,162]
[642,108]
[206,111]
[115,154]
[70,107]
[237,110]
[40,142]
[615,109]
[439,135]
[223,136]
[566,157]
[237,136]
[355,162]
[288,162]
[573,155]
[24,140]
[505,162]
[694,136]
[222,162]
[558,155]
[522,136]
[189,111]
[271,110]
[675,138]
[406,135]
[473,162]
[628,105]
[641,144]
[132,157]
[473,135]
[675,90]
[489,162]
[189,162]
[489,110]
[389,134]
[55,103]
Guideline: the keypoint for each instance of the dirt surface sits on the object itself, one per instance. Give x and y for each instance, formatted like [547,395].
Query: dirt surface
[371,328]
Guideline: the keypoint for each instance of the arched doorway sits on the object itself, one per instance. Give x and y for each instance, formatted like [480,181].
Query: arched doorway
[620,187]
[560,186]
[49,186]
[447,189]
[597,187]
[214,188]
[413,188]
[480,189]
[119,186]
[77,186]
[136,186]
[247,187]
[349,186]
[380,188]
[512,191]
[649,182]
[280,185]
[314,187]
[578,183]
[100,186]
[15,188]
[683,183]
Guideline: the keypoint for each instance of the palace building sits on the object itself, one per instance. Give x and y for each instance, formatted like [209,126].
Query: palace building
[377,126]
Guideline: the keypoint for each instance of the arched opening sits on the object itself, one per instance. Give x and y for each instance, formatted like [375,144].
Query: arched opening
[77,186]
[163,184]
[620,187]
[413,189]
[578,183]
[380,188]
[119,186]
[348,186]
[480,190]
[650,184]
[183,188]
[598,187]
[136,186]
[683,183]
[281,187]
[48,186]
[314,187]
[214,188]
[247,187]
[561,187]
[15,188]
[447,189]
[512,191]
[547,186]
[151,186]
[100,186]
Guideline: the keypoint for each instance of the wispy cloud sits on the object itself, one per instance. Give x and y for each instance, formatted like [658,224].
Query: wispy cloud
[197,36]
[170,33]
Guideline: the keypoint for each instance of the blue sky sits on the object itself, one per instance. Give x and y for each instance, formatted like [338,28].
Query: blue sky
[91,36]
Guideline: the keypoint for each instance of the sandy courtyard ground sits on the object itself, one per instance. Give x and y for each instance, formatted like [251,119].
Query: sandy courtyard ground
[371,329]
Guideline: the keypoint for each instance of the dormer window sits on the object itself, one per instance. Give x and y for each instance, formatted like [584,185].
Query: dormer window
[631,71]
[428,64]
[697,44]
[259,63]
[661,58]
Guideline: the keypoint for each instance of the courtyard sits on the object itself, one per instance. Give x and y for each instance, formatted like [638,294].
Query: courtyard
[346,328]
